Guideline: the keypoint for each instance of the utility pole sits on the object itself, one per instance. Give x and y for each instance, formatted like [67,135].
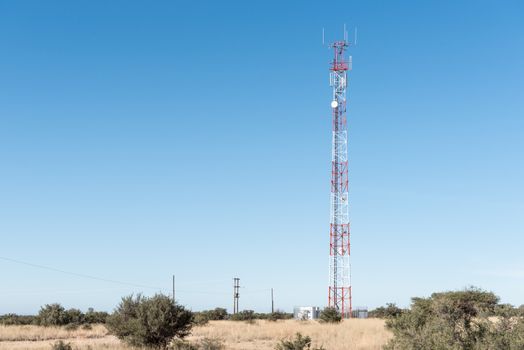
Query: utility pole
[272,302]
[236,294]
[174,289]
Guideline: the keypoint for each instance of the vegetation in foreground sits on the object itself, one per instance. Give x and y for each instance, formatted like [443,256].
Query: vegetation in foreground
[150,322]
[298,343]
[330,315]
[61,345]
[470,319]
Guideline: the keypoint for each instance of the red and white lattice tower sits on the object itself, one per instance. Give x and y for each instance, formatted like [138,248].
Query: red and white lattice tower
[339,264]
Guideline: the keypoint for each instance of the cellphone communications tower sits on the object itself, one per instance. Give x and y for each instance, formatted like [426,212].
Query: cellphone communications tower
[339,245]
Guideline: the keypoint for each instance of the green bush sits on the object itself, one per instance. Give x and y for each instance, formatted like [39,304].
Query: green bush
[505,310]
[61,345]
[299,343]
[150,322]
[74,316]
[200,319]
[278,315]
[52,315]
[390,310]
[330,315]
[203,317]
[245,315]
[92,316]
[14,319]
[456,321]
[57,315]
[71,326]
[217,314]
[520,310]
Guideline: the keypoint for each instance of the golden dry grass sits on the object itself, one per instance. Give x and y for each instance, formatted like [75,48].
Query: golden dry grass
[37,333]
[105,343]
[355,334]
[41,338]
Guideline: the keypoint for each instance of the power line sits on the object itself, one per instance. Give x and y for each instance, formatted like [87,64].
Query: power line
[102,279]
[253,291]
[59,291]
[76,274]
[199,292]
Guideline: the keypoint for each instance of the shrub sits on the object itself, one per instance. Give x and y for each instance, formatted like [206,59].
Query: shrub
[520,310]
[52,315]
[204,344]
[61,345]
[92,316]
[245,315]
[299,343]
[74,316]
[71,326]
[457,321]
[330,315]
[200,319]
[203,317]
[278,315]
[217,314]
[56,315]
[390,310]
[14,319]
[505,310]
[149,322]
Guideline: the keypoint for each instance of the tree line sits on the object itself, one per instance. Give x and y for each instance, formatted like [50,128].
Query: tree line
[56,315]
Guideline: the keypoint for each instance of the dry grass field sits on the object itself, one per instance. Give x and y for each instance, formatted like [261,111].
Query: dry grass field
[358,334]
[40,338]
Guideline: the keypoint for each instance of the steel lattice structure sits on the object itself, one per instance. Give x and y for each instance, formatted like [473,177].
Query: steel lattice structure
[339,264]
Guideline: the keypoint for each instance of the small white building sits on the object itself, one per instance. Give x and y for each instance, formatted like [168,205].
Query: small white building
[306,312]
[360,312]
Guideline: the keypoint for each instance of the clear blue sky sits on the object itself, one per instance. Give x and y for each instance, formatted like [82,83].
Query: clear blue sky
[140,139]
